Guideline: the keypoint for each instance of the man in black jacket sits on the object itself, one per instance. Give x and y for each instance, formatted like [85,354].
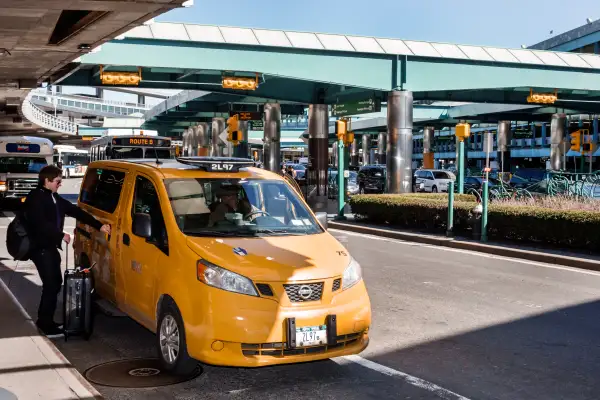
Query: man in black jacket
[45,212]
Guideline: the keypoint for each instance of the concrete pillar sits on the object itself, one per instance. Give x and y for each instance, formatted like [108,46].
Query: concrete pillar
[399,142]
[557,136]
[99,92]
[366,148]
[318,143]
[141,99]
[193,141]
[504,140]
[381,147]
[203,139]
[218,125]
[185,138]
[354,152]
[428,138]
[334,153]
[272,131]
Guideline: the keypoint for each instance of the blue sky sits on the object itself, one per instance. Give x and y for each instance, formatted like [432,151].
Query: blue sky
[506,23]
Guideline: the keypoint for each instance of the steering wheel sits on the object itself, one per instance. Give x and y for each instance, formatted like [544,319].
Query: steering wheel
[256,212]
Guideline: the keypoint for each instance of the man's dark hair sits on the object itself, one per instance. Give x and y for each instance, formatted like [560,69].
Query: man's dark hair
[49,172]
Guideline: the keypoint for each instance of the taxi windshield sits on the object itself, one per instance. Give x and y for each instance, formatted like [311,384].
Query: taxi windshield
[238,207]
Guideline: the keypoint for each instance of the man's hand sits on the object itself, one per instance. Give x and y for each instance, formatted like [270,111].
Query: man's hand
[105,229]
[67,238]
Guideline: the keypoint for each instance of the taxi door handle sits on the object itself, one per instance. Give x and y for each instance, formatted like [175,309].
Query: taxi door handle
[126,239]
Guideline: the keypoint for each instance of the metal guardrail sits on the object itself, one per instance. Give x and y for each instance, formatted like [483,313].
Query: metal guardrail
[75,97]
[87,106]
[47,121]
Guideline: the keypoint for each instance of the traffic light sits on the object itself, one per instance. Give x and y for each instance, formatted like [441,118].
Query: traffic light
[463,131]
[349,138]
[233,133]
[340,129]
[576,141]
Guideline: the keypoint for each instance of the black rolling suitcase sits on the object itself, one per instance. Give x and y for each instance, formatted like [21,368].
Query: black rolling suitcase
[77,301]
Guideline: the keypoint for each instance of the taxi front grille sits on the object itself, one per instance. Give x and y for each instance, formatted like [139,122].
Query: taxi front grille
[299,293]
[336,284]
[278,349]
[264,289]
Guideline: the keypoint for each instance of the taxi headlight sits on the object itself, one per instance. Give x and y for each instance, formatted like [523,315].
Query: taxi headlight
[221,278]
[352,274]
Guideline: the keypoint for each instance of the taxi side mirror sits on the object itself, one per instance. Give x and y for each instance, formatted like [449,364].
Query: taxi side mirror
[322,218]
[142,225]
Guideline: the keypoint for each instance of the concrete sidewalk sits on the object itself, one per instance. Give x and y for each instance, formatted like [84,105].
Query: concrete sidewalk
[549,256]
[30,366]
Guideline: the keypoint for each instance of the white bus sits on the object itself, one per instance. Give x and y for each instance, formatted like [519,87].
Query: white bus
[21,159]
[123,147]
[72,160]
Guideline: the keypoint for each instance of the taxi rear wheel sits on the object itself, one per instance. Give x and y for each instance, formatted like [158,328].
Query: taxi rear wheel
[171,343]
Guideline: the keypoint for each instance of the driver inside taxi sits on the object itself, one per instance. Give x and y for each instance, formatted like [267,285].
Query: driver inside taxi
[229,203]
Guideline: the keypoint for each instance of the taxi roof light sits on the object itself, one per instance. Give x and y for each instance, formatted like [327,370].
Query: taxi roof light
[218,164]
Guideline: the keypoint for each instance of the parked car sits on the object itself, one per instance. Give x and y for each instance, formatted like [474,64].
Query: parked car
[332,185]
[371,179]
[432,180]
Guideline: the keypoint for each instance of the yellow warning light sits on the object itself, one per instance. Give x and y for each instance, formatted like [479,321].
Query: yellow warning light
[237,83]
[542,98]
[120,78]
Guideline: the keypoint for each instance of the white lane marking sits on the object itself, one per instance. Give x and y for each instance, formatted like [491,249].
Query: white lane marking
[412,380]
[470,252]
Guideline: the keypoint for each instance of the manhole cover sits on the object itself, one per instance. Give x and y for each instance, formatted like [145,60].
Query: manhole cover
[137,373]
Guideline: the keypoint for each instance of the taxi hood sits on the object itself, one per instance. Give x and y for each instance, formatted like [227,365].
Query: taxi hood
[275,258]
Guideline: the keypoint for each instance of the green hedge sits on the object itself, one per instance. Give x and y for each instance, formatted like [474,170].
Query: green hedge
[572,229]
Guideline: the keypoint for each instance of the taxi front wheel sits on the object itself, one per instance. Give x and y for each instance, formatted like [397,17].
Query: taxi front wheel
[172,347]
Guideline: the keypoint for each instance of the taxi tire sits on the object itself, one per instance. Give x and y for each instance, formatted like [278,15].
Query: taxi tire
[184,364]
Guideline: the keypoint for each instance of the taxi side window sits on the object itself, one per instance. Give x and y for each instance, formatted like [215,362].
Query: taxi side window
[146,201]
[101,188]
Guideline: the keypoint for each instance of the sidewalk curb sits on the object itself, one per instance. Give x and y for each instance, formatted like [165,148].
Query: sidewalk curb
[574,262]
[69,375]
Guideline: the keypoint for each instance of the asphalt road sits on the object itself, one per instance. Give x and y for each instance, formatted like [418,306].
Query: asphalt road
[447,324]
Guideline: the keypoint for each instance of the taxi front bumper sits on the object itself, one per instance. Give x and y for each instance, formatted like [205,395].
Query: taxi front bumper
[258,331]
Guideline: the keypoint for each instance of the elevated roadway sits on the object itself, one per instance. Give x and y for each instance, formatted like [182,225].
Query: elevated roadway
[40,38]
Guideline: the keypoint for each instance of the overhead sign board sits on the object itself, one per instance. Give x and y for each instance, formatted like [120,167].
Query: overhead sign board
[247,115]
[257,125]
[356,107]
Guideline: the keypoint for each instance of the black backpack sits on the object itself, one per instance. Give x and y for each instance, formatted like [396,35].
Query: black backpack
[17,239]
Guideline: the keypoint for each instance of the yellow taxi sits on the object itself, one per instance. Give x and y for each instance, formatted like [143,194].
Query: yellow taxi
[225,262]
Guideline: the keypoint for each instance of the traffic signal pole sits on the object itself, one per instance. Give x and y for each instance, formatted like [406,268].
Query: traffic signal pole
[341,180]
[344,138]
[462,132]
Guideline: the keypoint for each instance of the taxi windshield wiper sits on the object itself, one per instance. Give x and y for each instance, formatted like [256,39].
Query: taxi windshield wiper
[278,232]
[210,233]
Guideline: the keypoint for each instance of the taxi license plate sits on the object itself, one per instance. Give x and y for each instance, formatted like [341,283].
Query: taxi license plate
[311,336]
